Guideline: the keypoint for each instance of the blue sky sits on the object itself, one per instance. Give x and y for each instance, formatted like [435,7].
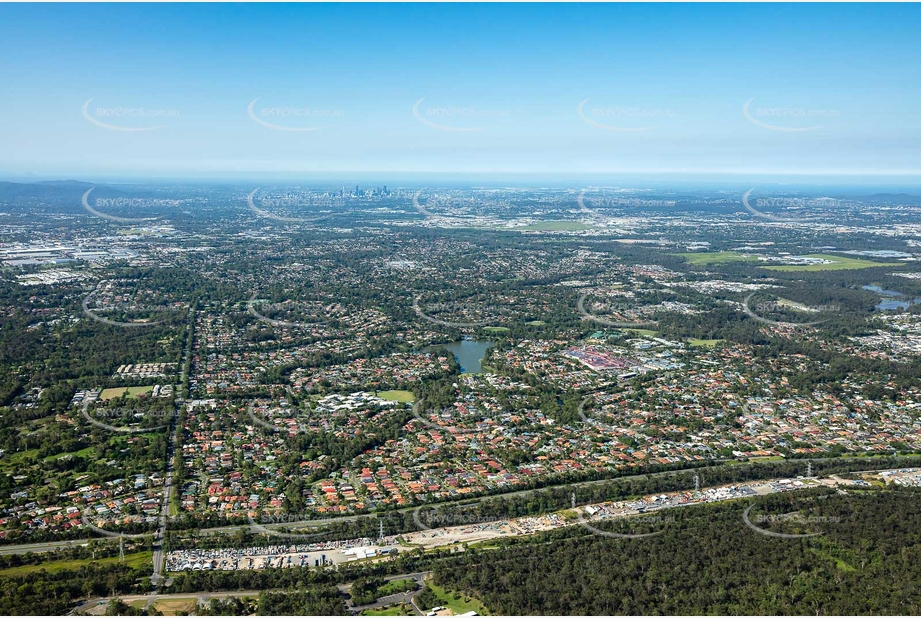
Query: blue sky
[504,89]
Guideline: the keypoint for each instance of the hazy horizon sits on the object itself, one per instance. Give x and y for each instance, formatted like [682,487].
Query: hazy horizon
[210,91]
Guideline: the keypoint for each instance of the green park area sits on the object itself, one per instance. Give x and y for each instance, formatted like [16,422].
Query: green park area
[130,391]
[134,561]
[703,343]
[455,601]
[717,257]
[400,396]
[836,262]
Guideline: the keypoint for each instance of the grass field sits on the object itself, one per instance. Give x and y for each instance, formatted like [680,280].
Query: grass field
[401,396]
[55,566]
[537,323]
[839,263]
[495,329]
[123,438]
[643,332]
[460,605]
[133,392]
[84,453]
[704,343]
[783,302]
[719,257]
[16,458]
[397,585]
[172,607]
[842,565]
[739,462]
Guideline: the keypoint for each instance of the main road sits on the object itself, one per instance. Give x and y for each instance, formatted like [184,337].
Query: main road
[158,558]
[313,523]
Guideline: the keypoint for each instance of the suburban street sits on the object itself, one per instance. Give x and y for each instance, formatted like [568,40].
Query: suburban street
[158,558]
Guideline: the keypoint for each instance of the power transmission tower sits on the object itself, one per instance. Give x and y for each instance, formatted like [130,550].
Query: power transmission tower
[121,549]
[696,482]
[380,533]
[808,469]
[573,499]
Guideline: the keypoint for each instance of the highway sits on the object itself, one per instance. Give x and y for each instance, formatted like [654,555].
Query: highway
[39,547]
[42,547]
[456,534]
